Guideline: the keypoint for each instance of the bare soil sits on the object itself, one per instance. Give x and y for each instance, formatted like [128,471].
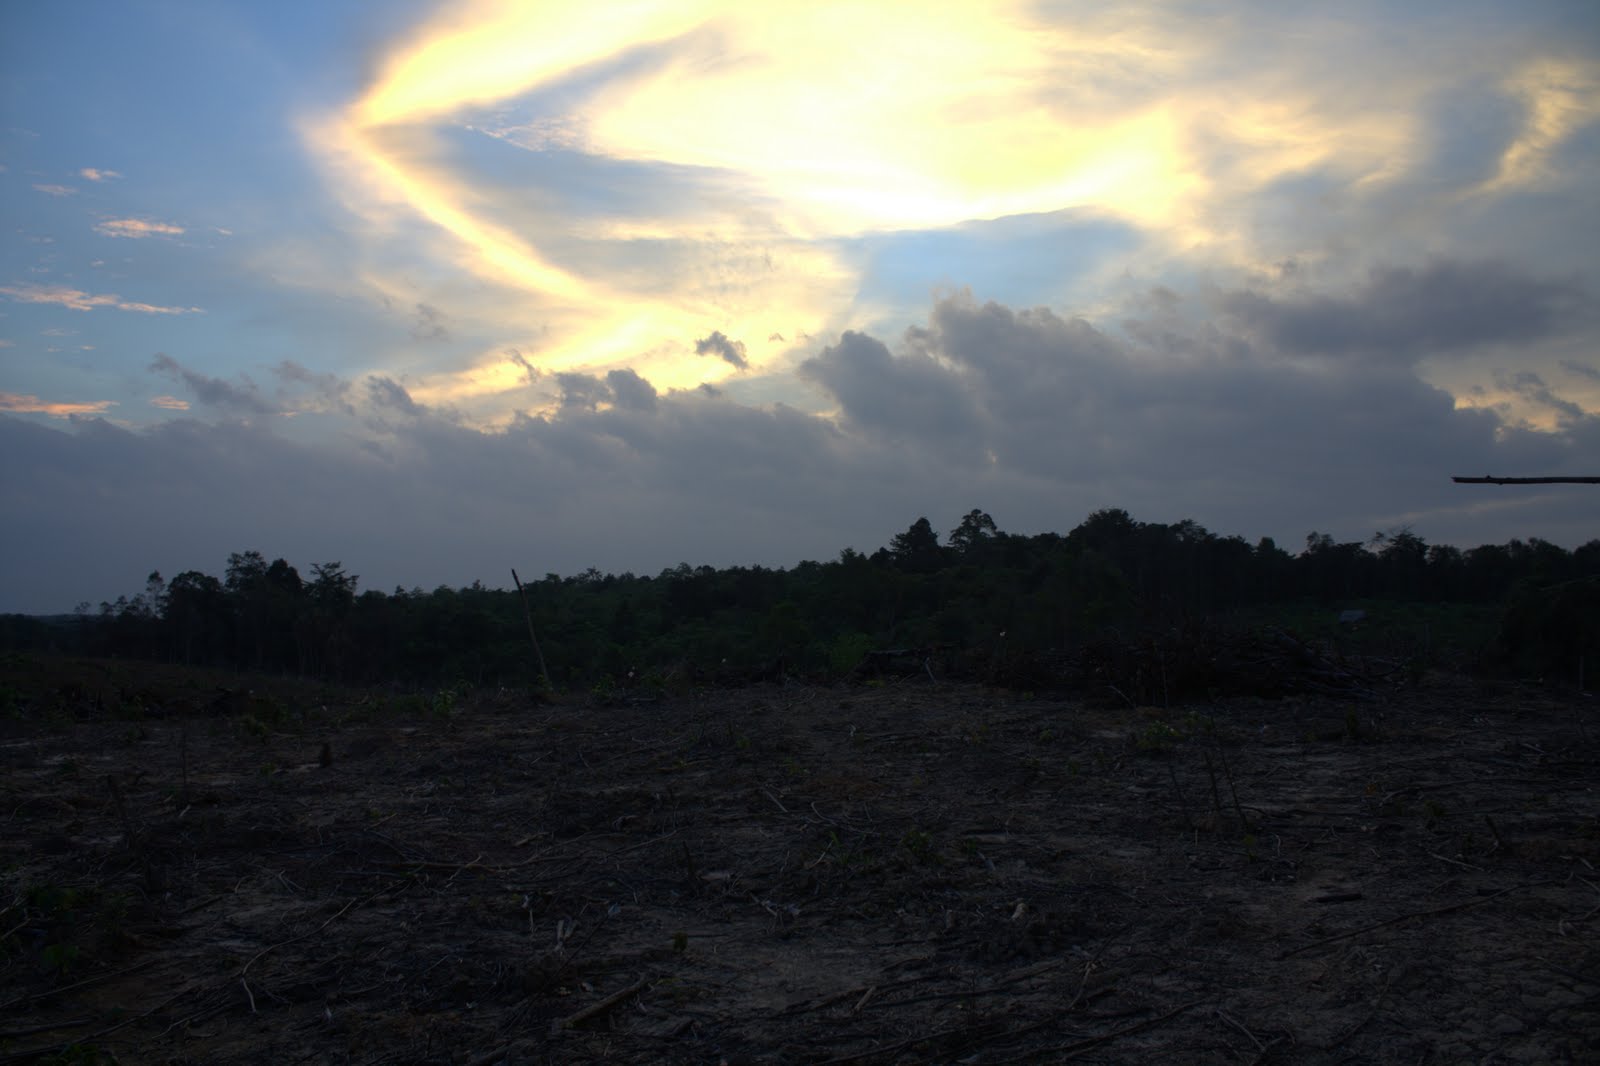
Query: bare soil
[896,873]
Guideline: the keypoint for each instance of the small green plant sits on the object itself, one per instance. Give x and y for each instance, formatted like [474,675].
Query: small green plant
[1156,738]
[446,699]
[920,844]
[60,958]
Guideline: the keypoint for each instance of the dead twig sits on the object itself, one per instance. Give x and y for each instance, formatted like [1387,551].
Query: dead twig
[595,1010]
[85,983]
[303,936]
[1436,912]
[1062,1052]
[58,1049]
[1237,1024]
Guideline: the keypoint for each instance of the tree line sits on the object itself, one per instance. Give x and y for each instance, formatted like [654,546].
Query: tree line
[974,588]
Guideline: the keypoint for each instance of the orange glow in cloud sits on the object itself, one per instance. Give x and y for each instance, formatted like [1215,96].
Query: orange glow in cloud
[136,228]
[11,401]
[78,300]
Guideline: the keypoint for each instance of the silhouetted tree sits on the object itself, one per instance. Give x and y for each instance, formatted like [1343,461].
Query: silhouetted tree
[917,550]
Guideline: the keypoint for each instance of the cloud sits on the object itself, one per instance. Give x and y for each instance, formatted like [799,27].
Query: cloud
[717,344]
[630,391]
[1532,388]
[304,389]
[95,174]
[1037,417]
[56,190]
[78,300]
[169,403]
[1405,313]
[531,374]
[11,401]
[909,398]
[582,392]
[429,324]
[243,398]
[616,186]
[136,228]
[389,394]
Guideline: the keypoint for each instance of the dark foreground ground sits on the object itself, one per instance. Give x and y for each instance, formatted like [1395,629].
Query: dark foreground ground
[902,873]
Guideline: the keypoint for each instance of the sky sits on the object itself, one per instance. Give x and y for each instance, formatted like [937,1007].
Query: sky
[436,291]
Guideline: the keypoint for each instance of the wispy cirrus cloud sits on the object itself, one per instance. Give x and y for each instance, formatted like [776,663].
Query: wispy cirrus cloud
[136,228]
[55,190]
[97,174]
[169,403]
[78,300]
[28,404]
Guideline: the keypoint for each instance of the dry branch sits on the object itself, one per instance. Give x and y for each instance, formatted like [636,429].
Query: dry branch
[1451,909]
[594,1010]
[1526,480]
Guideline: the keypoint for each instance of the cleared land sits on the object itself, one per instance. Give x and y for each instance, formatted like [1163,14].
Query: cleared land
[893,873]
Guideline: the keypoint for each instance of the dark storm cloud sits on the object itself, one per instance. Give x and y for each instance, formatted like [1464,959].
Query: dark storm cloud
[388,394]
[1037,418]
[1406,313]
[243,398]
[631,391]
[729,351]
[582,392]
[906,398]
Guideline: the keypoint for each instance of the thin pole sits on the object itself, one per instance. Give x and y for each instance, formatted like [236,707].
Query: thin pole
[544,672]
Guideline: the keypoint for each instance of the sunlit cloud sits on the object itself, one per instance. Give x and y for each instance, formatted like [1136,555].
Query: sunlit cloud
[136,228]
[1561,97]
[686,170]
[56,190]
[27,404]
[776,162]
[78,300]
[97,174]
[169,403]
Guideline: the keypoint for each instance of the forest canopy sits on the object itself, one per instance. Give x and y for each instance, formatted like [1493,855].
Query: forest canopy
[973,588]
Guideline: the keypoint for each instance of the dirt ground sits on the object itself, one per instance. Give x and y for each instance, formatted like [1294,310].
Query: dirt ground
[893,873]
